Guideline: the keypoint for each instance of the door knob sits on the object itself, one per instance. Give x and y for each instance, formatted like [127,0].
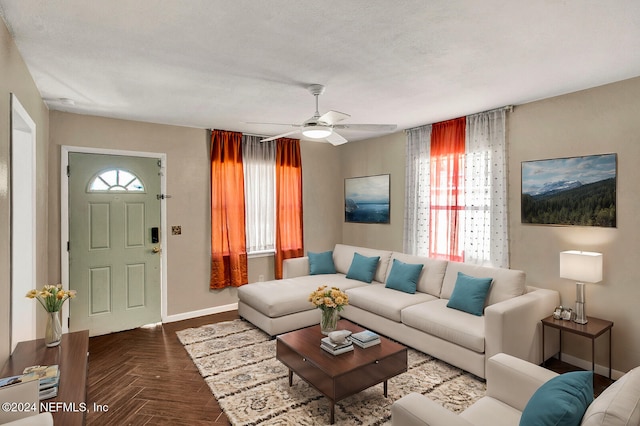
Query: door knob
[156,249]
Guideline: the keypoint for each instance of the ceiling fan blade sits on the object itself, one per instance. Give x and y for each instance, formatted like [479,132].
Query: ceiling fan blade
[335,139]
[368,127]
[332,117]
[282,135]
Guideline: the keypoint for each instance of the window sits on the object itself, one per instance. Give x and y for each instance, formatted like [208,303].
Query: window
[116,180]
[456,194]
[259,165]
[447,191]
[228,213]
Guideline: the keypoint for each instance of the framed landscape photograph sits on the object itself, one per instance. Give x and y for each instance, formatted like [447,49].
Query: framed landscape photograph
[570,191]
[366,199]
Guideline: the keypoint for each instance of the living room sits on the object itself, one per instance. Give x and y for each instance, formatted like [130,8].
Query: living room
[596,120]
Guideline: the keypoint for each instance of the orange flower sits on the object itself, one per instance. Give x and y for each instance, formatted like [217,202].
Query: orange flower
[325,298]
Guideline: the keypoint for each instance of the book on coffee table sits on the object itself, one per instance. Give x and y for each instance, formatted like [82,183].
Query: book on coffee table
[326,341]
[342,350]
[335,348]
[368,344]
[365,336]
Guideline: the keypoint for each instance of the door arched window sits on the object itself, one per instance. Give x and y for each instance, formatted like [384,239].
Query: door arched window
[116,180]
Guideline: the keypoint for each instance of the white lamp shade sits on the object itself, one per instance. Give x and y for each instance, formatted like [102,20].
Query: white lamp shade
[317,132]
[582,266]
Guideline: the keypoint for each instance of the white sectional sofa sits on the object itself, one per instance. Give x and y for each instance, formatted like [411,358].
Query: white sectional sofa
[509,322]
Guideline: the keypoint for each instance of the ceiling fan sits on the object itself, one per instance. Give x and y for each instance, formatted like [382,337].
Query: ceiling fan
[323,126]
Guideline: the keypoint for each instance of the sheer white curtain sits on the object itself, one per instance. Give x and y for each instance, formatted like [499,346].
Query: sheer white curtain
[259,161]
[417,178]
[485,233]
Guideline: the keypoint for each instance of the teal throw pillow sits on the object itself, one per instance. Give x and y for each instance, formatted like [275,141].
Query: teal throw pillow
[363,268]
[562,400]
[469,294]
[321,263]
[404,276]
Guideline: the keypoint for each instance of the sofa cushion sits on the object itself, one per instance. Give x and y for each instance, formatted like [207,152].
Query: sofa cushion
[432,274]
[321,263]
[455,326]
[618,405]
[469,294]
[363,268]
[507,283]
[404,276]
[283,297]
[382,301]
[343,256]
[560,401]
[488,411]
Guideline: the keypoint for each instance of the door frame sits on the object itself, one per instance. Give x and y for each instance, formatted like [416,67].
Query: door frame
[23,144]
[64,218]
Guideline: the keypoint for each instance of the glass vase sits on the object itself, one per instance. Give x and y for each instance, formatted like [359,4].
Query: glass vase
[53,332]
[329,321]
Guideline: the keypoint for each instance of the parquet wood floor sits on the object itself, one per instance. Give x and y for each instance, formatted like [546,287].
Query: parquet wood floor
[145,377]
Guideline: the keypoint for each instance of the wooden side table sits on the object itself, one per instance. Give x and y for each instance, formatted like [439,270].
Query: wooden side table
[593,329]
[70,405]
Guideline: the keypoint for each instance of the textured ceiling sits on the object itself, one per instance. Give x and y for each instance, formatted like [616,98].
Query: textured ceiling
[221,63]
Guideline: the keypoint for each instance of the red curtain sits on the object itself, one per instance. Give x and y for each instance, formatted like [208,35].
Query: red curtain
[288,202]
[447,167]
[228,242]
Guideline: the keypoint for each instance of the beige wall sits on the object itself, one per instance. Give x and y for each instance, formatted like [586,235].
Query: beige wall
[596,121]
[601,120]
[322,195]
[383,155]
[187,175]
[15,78]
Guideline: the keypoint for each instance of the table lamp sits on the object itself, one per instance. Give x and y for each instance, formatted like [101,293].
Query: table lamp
[583,267]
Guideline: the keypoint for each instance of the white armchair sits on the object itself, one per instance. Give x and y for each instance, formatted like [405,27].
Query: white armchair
[510,384]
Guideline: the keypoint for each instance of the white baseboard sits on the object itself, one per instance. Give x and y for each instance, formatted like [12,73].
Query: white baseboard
[603,370]
[201,312]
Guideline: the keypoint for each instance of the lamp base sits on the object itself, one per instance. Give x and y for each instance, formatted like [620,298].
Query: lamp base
[581,316]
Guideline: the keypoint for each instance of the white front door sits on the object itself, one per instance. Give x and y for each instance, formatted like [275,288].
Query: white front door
[114,242]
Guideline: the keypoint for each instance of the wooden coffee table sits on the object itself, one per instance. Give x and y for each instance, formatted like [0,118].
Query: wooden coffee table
[339,376]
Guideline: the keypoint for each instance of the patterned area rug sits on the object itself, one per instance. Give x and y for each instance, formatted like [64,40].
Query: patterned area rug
[238,362]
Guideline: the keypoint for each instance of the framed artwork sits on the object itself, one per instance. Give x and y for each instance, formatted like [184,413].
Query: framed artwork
[366,199]
[570,191]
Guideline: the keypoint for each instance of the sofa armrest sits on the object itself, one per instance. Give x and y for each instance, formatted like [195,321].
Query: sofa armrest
[418,410]
[513,326]
[42,419]
[513,380]
[295,267]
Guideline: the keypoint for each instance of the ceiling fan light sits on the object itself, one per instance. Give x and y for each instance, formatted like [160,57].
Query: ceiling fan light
[317,132]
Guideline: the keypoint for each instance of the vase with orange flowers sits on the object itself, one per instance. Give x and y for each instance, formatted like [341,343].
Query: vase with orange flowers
[330,301]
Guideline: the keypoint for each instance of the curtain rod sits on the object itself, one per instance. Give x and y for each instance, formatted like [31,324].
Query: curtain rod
[508,108]
[247,134]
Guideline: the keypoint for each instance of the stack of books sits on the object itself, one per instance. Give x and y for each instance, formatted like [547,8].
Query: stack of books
[365,339]
[49,377]
[335,348]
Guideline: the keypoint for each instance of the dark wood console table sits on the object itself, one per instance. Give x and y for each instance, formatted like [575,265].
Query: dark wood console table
[70,406]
